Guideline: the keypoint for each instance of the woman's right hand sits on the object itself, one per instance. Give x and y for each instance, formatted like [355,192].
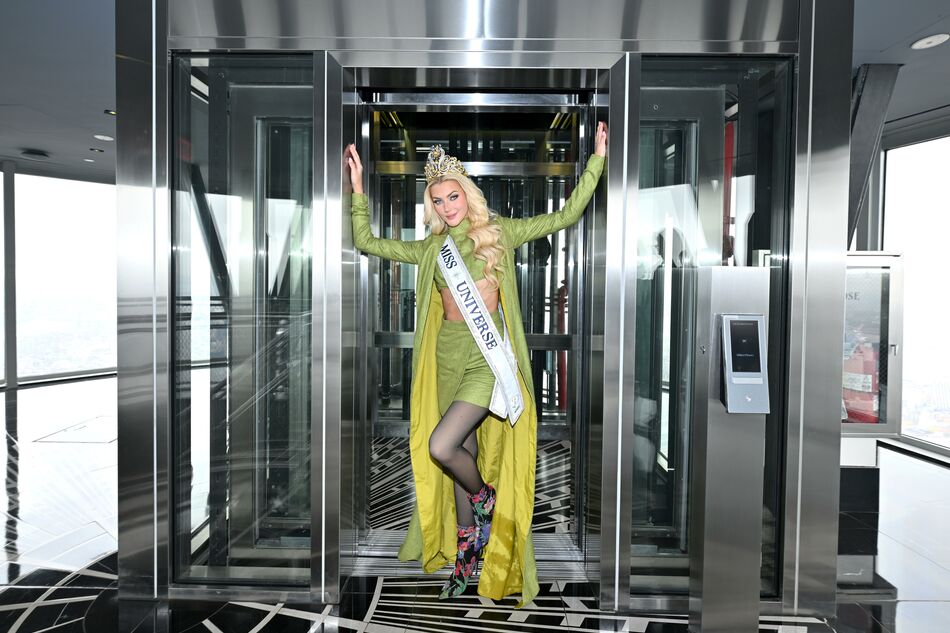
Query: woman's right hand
[355,166]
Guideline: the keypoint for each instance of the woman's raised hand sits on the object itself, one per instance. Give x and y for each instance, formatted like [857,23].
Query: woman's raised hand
[600,139]
[355,166]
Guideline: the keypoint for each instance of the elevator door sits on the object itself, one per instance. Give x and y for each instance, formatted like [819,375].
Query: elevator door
[526,159]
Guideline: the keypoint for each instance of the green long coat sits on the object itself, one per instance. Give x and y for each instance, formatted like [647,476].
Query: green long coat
[506,454]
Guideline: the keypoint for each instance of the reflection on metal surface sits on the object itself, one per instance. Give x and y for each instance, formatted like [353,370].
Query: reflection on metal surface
[142,303]
[470,99]
[725,527]
[816,312]
[619,288]
[482,25]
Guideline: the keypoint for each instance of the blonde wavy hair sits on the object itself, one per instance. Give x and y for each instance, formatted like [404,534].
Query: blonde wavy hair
[482,230]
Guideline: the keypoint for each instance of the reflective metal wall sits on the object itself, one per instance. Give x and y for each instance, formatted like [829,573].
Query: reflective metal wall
[596,45]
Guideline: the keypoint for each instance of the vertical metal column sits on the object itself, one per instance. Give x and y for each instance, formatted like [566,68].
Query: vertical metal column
[142,293]
[817,288]
[327,314]
[9,275]
[727,463]
[619,332]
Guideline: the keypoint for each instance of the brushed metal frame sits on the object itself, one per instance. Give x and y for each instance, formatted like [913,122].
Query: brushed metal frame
[498,36]
[144,257]
[10,376]
[816,299]
[620,279]
[723,577]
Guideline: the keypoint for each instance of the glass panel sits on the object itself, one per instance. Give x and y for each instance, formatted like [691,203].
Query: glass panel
[917,204]
[65,276]
[713,176]
[242,310]
[864,379]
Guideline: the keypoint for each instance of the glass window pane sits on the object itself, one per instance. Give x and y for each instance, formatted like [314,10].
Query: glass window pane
[917,204]
[65,275]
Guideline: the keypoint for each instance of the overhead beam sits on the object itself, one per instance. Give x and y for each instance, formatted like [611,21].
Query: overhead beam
[871,96]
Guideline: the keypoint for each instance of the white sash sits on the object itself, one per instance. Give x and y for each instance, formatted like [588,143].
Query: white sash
[506,400]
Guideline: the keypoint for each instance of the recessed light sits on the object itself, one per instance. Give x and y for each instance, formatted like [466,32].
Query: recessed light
[109,112]
[97,150]
[89,160]
[102,137]
[34,154]
[930,41]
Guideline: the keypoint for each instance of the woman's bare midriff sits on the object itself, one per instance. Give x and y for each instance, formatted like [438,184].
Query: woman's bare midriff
[489,296]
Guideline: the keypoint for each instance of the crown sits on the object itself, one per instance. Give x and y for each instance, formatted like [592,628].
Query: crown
[440,164]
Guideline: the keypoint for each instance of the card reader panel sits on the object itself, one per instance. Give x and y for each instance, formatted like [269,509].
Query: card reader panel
[745,383]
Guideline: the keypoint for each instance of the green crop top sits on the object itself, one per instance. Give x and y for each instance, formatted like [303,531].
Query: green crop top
[515,231]
[476,267]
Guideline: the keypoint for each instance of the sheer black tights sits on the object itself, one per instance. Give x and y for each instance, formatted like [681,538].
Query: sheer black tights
[453,444]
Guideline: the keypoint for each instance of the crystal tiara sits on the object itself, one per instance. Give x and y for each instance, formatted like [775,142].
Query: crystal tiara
[440,164]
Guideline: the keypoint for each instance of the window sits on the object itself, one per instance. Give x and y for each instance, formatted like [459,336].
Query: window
[65,276]
[917,222]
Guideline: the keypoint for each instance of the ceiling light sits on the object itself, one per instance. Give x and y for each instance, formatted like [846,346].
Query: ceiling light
[102,137]
[109,112]
[930,41]
[97,150]
[34,154]
[89,160]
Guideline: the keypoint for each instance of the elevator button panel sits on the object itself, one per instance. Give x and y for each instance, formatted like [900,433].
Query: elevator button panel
[745,383]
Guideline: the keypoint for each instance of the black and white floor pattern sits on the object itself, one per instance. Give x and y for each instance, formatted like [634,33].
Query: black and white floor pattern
[392,493]
[405,605]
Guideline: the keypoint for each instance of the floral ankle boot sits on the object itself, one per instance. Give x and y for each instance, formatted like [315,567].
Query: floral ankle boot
[483,505]
[465,563]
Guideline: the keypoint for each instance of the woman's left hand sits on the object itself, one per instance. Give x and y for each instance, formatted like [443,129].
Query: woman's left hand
[600,139]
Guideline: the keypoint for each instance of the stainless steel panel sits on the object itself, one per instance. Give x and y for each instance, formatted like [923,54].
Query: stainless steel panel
[142,295]
[10,376]
[619,326]
[483,24]
[474,99]
[354,494]
[725,526]
[548,79]
[819,225]
[591,355]
[321,419]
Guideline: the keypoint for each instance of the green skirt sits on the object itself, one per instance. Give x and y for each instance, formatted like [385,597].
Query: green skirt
[463,373]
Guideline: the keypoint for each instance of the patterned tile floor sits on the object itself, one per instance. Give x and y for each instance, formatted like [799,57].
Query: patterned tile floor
[59,569]
[392,493]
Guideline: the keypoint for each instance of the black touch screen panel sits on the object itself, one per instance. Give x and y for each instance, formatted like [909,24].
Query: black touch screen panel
[745,346]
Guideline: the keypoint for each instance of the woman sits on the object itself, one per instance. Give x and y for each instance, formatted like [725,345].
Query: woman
[455,363]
